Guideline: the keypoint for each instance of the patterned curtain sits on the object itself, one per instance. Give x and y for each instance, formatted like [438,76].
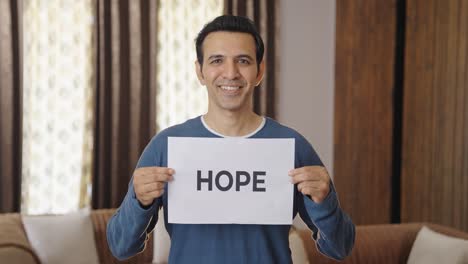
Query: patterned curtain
[125,108]
[264,14]
[10,105]
[180,95]
[57,117]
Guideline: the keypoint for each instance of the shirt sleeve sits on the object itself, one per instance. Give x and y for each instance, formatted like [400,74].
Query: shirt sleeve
[333,230]
[128,229]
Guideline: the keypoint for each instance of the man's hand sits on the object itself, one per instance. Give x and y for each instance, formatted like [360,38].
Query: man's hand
[313,181]
[149,182]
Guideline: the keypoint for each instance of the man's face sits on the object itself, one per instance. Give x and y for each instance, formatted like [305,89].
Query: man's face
[229,70]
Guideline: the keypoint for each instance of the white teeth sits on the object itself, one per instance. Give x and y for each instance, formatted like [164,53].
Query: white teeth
[230,88]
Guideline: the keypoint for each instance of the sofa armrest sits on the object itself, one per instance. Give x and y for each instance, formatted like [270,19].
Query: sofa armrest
[14,254]
[386,243]
[449,231]
[100,218]
[14,244]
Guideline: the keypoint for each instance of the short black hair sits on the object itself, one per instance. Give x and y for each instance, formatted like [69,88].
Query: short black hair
[232,24]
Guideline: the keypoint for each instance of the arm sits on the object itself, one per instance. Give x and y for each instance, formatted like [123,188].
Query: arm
[128,229]
[318,204]
[333,230]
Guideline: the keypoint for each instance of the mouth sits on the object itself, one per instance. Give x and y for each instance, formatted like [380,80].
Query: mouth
[230,89]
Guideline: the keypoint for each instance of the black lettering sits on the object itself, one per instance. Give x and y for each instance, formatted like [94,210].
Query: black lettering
[240,183]
[208,180]
[257,181]
[218,185]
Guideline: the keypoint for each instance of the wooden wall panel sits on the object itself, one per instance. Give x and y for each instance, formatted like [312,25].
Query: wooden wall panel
[364,86]
[434,183]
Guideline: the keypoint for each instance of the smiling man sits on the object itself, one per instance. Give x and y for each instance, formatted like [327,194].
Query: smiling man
[230,64]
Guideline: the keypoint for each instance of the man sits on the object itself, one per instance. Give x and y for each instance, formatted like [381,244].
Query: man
[230,64]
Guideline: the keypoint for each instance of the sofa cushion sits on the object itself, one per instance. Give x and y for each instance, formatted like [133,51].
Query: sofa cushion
[162,241]
[14,245]
[62,238]
[432,247]
[16,255]
[298,252]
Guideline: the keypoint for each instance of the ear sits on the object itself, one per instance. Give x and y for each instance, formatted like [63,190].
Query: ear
[261,73]
[198,69]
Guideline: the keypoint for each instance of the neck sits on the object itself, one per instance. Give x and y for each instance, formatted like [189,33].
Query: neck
[233,124]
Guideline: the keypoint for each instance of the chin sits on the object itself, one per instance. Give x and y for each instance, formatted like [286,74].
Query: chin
[231,107]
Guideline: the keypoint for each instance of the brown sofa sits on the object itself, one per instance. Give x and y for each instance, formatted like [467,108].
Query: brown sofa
[15,248]
[382,244]
[385,243]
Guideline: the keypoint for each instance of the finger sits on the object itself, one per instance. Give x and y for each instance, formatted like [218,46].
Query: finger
[155,169]
[316,195]
[152,177]
[313,192]
[309,176]
[151,187]
[309,184]
[153,195]
[297,171]
[158,178]
[309,191]
[305,169]
[309,173]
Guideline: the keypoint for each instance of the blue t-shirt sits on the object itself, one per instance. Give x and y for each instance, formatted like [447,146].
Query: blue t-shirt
[129,227]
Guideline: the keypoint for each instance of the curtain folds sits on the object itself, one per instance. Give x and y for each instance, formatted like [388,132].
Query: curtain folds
[10,105]
[125,111]
[125,95]
[264,13]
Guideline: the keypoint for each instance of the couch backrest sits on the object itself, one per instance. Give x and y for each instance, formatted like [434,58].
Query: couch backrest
[14,245]
[14,242]
[100,218]
[385,243]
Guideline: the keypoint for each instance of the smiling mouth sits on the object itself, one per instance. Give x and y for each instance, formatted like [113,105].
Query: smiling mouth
[229,88]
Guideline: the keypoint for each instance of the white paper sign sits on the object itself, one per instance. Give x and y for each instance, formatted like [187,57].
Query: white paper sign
[230,181]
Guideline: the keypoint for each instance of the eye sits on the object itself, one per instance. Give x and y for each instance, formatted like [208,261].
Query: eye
[216,61]
[244,61]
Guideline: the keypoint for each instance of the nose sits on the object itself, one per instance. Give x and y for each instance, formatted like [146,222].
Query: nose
[231,70]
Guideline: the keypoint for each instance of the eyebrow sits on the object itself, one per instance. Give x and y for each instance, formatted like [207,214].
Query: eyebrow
[243,56]
[216,56]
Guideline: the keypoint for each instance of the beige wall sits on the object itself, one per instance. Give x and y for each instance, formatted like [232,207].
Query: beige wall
[306,80]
